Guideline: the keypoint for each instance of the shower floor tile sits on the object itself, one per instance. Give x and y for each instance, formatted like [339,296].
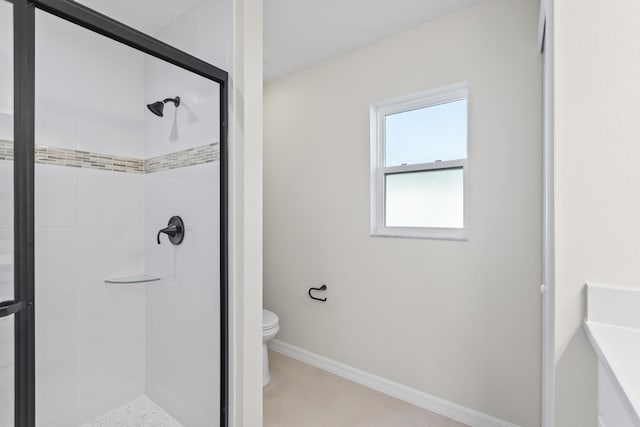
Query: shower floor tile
[141,412]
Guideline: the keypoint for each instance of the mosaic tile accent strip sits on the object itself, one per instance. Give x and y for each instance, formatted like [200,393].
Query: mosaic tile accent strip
[88,160]
[184,158]
[6,150]
[85,159]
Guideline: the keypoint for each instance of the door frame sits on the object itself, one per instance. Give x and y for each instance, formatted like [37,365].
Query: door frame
[24,178]
[546,40]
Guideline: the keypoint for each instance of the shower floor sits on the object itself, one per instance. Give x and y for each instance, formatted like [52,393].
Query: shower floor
[141,412]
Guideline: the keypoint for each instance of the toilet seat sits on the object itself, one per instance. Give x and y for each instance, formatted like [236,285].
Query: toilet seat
[269,320]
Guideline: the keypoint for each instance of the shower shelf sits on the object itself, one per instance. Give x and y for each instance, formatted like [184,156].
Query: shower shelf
[139,278]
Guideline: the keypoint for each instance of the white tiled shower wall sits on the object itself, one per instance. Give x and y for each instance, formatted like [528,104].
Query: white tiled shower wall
[90,335]
[99,345]
[183,310]
[89,90]
[182,333]
[90,354]
[6,292]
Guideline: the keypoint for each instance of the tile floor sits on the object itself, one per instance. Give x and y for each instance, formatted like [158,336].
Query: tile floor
[141,412]
[300,395]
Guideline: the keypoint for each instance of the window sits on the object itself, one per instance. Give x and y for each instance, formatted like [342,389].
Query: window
[419,165]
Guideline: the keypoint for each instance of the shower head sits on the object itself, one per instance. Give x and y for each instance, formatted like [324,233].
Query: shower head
[157,107]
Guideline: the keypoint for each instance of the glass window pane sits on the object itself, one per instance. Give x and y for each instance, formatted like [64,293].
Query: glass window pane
[427,134]
[432,198]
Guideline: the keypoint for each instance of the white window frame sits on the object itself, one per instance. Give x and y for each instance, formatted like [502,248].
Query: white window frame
[378,111]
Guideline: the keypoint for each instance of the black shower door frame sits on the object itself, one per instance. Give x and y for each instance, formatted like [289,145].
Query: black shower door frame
[24,158]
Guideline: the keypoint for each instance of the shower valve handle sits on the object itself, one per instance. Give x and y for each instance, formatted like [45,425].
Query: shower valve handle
[169,231]
[175,230]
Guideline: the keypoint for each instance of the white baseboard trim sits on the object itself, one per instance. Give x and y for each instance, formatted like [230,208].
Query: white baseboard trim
[431,403]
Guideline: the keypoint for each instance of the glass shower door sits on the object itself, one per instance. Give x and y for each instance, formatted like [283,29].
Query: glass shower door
[90,175]
[125,142]
[9,306]
[6,217]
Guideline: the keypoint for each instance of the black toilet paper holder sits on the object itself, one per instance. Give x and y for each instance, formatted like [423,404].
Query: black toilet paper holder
[321,288]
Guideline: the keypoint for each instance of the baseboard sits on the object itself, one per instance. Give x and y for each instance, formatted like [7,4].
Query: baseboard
[431,403]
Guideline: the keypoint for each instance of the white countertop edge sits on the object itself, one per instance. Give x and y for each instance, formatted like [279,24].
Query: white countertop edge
[599,285]
[590,329]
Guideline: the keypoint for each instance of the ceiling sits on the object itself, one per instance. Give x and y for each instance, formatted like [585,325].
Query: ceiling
[298,33]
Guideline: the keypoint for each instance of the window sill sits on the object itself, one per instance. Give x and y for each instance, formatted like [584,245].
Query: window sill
[459,234]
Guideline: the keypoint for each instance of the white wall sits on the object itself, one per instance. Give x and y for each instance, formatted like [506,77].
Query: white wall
[459,320]
[246,207]
[597,61]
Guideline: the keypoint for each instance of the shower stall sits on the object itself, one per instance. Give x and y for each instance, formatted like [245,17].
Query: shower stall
[113,217]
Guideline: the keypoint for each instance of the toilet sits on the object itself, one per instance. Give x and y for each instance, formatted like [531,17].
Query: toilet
[270,328]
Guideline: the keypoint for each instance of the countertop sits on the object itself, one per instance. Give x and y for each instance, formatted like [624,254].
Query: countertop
[618,348]
[613,327]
